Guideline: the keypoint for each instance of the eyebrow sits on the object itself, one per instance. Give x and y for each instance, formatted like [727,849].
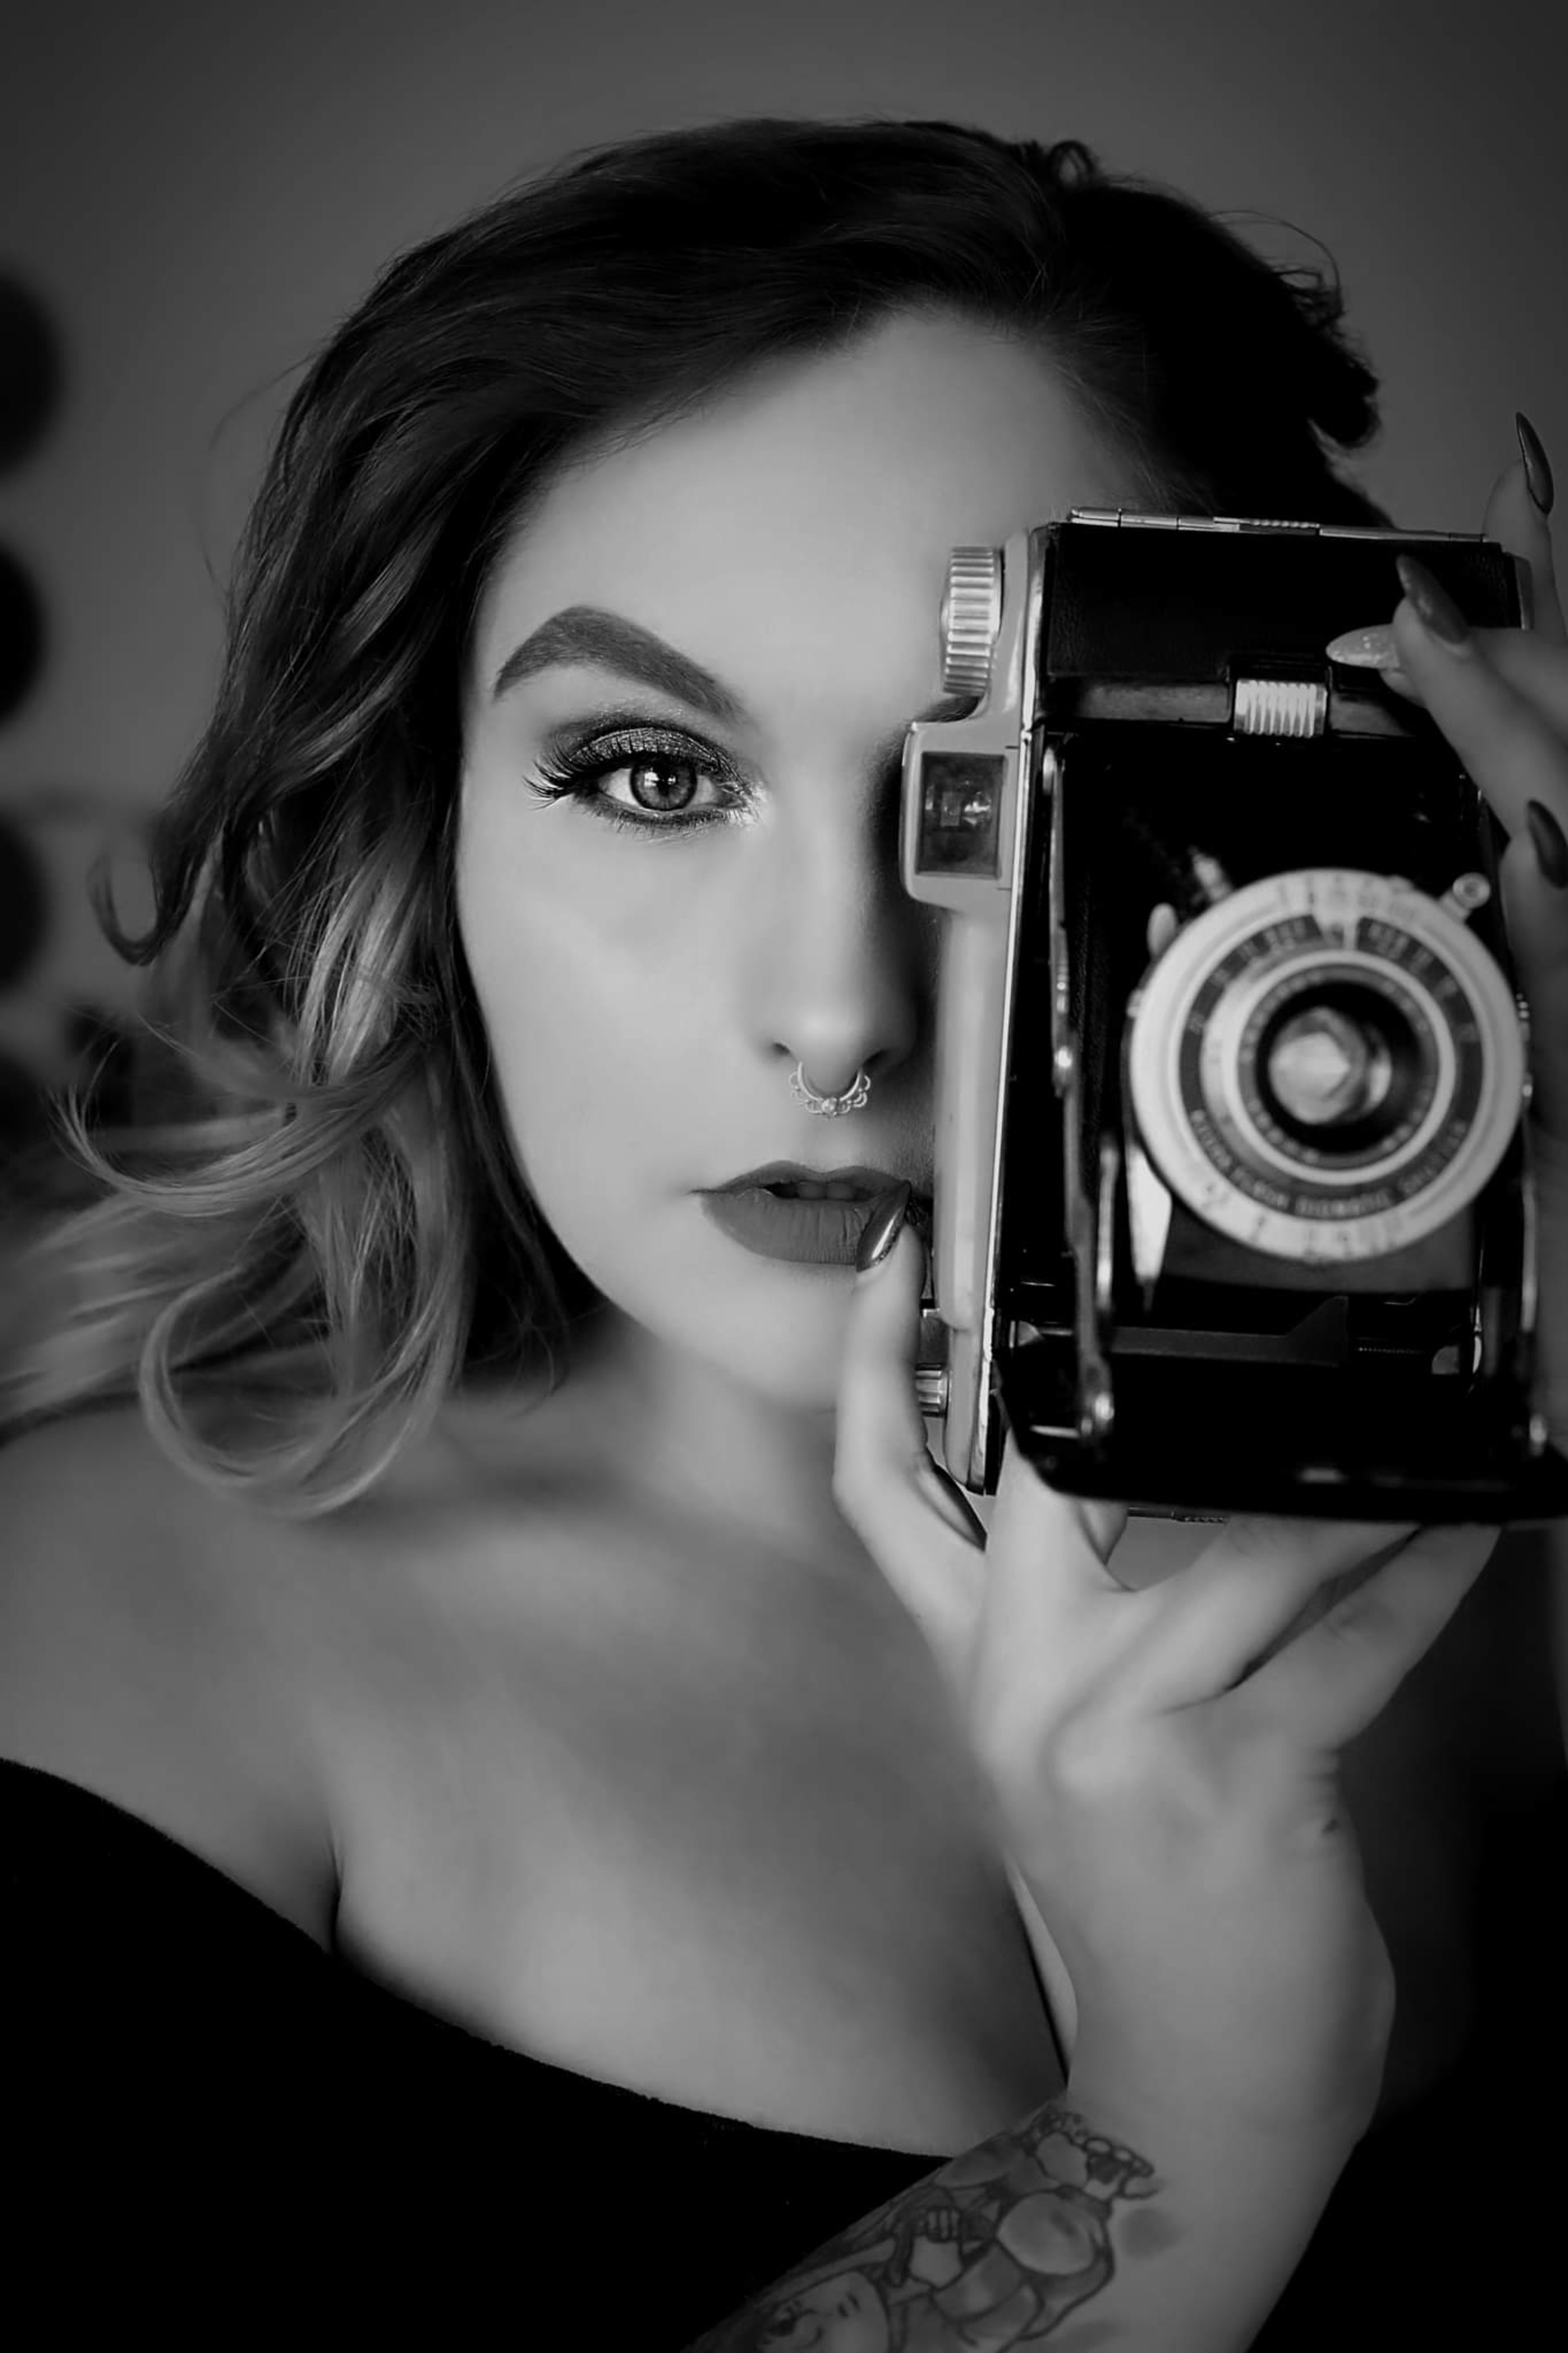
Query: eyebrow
[588,634]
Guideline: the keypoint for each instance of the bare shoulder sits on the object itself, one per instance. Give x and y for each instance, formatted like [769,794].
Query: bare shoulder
[150,1651]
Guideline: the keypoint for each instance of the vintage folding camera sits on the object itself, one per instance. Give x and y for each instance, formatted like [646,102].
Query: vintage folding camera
[1234,1207]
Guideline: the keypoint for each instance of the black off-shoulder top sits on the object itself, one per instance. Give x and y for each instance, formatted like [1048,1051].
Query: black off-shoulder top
[214,2130]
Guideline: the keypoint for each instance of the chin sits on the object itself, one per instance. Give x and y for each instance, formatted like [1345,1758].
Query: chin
[772,1329]
[783,1340]
[793,1356]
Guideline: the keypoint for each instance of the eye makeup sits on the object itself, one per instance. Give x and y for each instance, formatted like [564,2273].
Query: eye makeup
[575,770]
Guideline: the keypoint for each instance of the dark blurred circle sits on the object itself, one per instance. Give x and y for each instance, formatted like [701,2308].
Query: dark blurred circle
[21,634]
[24,904]
[30,370]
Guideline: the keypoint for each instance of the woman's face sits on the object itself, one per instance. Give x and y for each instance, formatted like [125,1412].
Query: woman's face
[647,993]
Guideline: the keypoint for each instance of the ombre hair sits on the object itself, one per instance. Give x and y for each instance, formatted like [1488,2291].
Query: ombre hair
[310,1203]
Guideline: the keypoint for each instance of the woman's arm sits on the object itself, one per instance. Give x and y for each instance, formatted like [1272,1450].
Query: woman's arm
[1167,2232]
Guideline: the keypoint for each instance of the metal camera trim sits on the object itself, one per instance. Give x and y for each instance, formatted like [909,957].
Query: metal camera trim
[990,627]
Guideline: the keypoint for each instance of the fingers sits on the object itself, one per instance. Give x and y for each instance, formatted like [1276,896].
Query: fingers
[1530,659]
[1334,1680]
[1516,523]
[880,1429]
[1055,1616]
[1517,759]
[1500,696]
[1534,668]
[948,1499]
[1048,1550]
[910,1517]
[1510,748]
[1248,1586]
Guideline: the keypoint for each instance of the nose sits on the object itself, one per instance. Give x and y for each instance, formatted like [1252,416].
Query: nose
[842,961]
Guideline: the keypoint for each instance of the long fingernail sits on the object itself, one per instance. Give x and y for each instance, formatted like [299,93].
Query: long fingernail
[1434,606]
[1550,844]
[881,1227]
[1365,649]
[1537,470]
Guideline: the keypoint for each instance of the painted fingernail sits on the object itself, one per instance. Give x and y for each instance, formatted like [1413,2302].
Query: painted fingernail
[1550,844]
[1365,649]
[1537,470]
[881,1227]
[1435,608]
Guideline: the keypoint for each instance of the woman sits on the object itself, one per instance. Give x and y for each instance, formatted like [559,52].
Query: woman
[545,1603]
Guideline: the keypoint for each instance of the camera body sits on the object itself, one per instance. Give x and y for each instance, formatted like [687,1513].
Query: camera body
[1234,1207]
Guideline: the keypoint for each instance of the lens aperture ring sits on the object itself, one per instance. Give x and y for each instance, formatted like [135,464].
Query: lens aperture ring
[1387,964]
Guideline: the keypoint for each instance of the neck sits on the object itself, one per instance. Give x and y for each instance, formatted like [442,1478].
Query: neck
[687,1439]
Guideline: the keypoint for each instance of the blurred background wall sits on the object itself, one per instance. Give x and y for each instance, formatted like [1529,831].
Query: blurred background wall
[190,196]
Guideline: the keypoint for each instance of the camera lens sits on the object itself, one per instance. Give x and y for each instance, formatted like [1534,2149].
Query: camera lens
[1324,1065]
[1323,1069]
[1337,1068]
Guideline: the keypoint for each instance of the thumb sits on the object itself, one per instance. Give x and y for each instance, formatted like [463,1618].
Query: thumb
[880,1416]
[885,1480]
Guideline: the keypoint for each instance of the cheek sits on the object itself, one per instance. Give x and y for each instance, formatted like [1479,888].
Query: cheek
[594,1011]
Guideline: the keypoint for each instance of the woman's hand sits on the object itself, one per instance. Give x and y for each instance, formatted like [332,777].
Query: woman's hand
[1164,1759]
[1500,697]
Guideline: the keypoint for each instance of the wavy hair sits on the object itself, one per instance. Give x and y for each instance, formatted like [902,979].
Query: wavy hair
[309,1201]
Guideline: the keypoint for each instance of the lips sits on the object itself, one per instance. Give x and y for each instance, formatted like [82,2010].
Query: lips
[784,1175]
[812,1232]
[804,1233]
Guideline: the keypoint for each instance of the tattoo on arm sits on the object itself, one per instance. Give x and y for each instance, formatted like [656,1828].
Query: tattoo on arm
[995,2251]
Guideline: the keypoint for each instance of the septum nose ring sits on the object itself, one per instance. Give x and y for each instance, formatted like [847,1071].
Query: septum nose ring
[829,1106]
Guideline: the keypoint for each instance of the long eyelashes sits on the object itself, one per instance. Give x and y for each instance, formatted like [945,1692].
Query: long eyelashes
[579,774]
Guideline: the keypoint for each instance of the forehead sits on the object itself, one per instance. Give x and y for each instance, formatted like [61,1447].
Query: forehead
[812,508]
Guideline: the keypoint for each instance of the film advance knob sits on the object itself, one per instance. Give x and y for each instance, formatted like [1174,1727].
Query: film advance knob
[971,619]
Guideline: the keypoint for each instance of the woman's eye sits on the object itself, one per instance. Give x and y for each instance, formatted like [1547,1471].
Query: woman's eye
[661,786]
